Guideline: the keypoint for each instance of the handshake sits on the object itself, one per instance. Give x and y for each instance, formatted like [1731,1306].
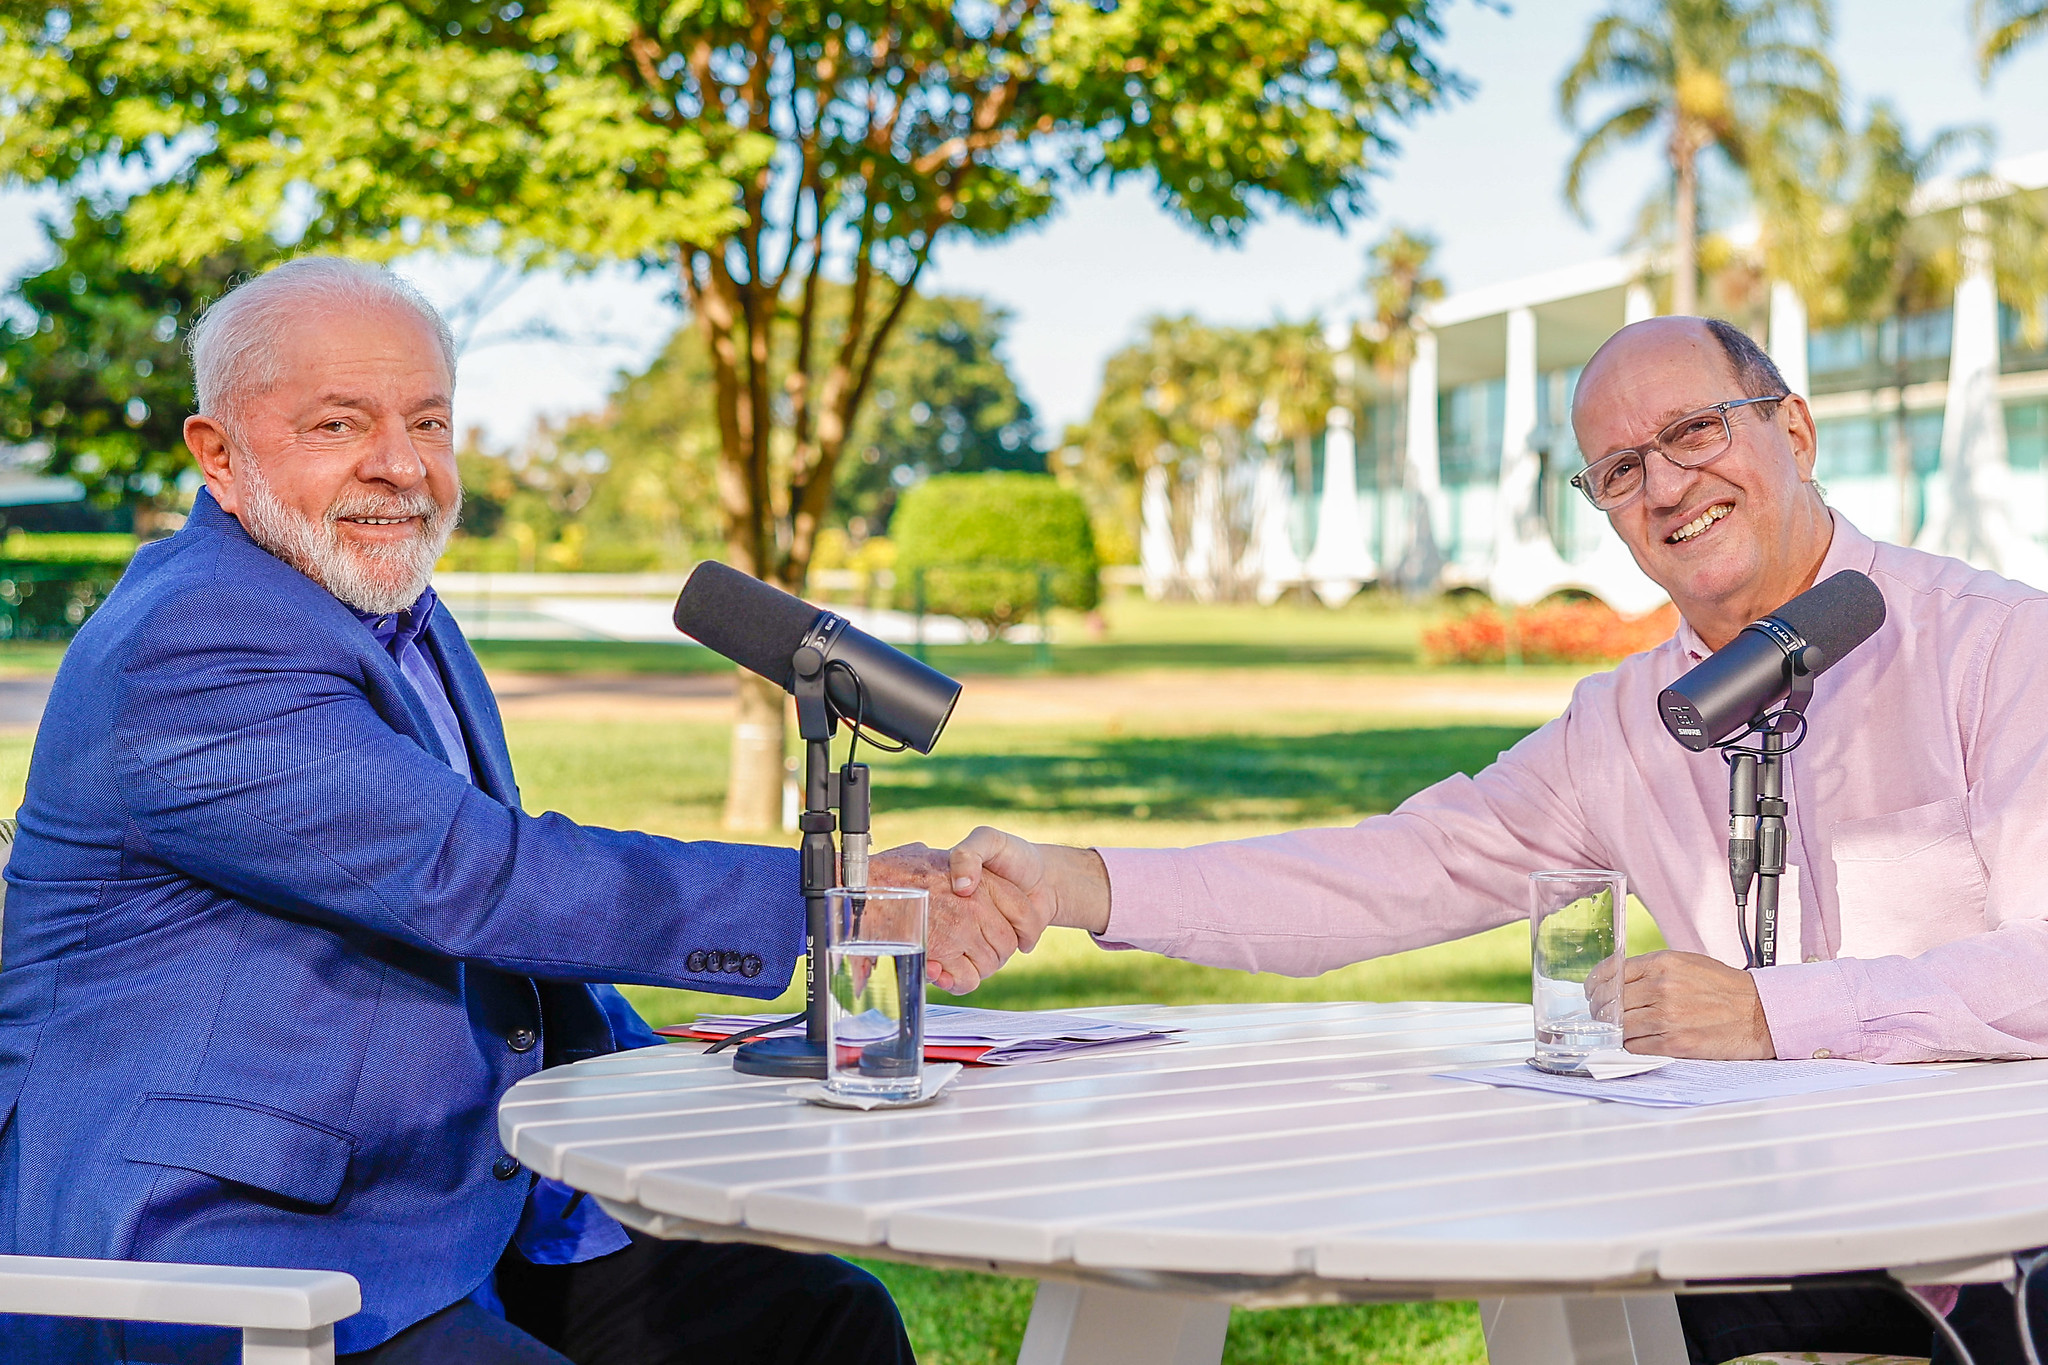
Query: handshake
[993,894]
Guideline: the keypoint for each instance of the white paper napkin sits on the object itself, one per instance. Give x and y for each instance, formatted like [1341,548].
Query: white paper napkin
[937,1076]
[1612,1063]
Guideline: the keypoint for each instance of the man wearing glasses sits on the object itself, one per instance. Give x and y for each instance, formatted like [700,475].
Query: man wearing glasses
[1917,841]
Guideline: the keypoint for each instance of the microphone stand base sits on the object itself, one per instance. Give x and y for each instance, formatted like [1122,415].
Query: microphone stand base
[799,1057]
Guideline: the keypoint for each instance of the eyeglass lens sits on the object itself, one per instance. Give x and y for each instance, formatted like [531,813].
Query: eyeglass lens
[1690,441]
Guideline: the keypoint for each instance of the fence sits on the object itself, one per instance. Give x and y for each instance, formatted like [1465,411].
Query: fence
[43,600]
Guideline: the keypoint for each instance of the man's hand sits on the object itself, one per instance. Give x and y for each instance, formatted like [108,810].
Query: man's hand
[1060,885]
[970,935]
[1687,1005]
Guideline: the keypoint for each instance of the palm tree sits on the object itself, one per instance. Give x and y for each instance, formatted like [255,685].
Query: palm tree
[2000,26]
[1726,75]
[1400,280]
[1894,261]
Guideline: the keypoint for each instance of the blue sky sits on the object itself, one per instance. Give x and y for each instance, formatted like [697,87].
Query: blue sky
[1482,174]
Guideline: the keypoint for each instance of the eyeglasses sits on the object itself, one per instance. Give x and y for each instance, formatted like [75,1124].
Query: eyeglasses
[1692,442]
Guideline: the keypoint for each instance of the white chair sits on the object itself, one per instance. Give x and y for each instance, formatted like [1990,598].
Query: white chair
[287,1317]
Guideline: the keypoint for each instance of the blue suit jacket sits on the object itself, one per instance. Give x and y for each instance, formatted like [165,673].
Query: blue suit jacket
[268,959]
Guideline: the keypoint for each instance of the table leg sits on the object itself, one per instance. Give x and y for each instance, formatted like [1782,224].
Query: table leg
[1075,1324]
[1618,1329]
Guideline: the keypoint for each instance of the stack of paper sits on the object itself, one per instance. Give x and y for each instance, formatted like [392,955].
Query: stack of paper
[1683,1084]
[959,1033]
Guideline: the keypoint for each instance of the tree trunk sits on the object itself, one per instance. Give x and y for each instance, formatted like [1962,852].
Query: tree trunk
[1685,230]
[753,792]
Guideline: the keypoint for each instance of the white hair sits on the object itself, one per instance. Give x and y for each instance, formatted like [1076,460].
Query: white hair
[237,342]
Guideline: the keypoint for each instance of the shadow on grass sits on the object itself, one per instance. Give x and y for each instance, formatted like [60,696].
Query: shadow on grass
[1203,777]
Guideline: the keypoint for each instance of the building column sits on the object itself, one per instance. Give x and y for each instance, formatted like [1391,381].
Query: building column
[1637,303]
[1788,335]
[1340,564]
[1968,510]
[1420,565]
[1525,565]
[1158,560]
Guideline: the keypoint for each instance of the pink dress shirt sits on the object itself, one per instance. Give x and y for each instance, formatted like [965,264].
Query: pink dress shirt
[1918,839]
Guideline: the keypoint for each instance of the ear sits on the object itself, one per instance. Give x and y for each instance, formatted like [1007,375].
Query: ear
[1800,429]
[208,441]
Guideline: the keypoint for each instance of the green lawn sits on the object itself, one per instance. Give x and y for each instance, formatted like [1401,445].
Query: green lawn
[1082,783]
[1369,632]
[1196,779]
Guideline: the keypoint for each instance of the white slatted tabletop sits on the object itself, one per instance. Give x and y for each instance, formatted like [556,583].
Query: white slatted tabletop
[1298,1153]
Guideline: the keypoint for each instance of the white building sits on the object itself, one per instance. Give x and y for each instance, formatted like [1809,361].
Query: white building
[1463,479]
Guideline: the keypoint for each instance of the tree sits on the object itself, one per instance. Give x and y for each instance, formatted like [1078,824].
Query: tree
[944,402]
[1731,76]
[986,546]
[1895,260]
[756,149]
[1190,401]
[97,370]
[1400,280]
[2001,27]
[1899,254]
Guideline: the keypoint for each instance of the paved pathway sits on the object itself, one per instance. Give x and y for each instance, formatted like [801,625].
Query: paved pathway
[21,702]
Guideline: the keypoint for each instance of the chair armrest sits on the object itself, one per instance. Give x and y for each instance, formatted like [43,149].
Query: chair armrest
[155,1291]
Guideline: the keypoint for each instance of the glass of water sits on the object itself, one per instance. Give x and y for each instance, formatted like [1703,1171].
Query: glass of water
[1578,936]
[874,1017]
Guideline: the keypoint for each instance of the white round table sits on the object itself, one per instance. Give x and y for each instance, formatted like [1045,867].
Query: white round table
[1284,1154]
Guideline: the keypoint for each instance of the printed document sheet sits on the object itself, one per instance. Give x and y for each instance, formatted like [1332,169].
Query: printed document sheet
[1683,1084]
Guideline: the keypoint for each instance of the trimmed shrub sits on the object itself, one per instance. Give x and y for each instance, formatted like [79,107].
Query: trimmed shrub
[1554,632]
[981,541]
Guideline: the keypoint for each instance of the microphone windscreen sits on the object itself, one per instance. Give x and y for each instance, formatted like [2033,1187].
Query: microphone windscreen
[1835,616]
[738,616]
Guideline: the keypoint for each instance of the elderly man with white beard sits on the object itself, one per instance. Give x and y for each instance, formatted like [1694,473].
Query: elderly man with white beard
[279,934]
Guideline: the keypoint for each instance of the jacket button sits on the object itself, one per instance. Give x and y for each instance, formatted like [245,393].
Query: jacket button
[521,1039]
[505,1167]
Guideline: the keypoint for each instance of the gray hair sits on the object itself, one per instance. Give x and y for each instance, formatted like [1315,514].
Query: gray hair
[1755,371]
[236,342]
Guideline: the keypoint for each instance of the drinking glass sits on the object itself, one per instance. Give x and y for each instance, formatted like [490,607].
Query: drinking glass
[1577,927]
[874,1014]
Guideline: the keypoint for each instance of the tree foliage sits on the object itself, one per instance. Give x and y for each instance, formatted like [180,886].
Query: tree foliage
[757,148]
[96,371]
[985,546]
[944,402]
[1738,77]
[2002,27]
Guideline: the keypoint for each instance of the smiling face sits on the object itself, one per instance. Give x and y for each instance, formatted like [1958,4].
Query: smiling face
[345,468]
[1731,541]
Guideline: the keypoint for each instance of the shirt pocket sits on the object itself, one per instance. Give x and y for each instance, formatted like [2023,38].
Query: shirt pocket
[1908,881]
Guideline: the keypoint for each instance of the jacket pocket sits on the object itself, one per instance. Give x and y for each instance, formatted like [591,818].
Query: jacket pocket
[242,1142]
[1908,881]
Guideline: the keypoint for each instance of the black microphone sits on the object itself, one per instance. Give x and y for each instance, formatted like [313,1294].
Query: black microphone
[1736,683]
[761,628]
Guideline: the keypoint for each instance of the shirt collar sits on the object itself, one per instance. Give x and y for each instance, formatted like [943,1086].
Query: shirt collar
[1848,549]
[397,629]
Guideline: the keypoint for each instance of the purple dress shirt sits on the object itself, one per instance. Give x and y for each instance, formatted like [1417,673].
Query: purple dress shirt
[558,1227]
[1918,839]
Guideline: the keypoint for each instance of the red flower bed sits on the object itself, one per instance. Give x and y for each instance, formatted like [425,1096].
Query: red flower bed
[1549,633]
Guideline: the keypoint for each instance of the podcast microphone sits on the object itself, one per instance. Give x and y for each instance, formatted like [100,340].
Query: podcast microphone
[879,688]
[1737,682]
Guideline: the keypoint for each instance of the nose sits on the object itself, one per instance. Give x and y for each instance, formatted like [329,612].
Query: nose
[1665,483]
[392,458]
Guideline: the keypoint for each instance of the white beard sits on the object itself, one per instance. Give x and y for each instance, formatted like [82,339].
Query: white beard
[378,579]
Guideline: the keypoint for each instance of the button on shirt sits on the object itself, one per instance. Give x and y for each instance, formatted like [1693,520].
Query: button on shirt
[1918,831]
[557,1227]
